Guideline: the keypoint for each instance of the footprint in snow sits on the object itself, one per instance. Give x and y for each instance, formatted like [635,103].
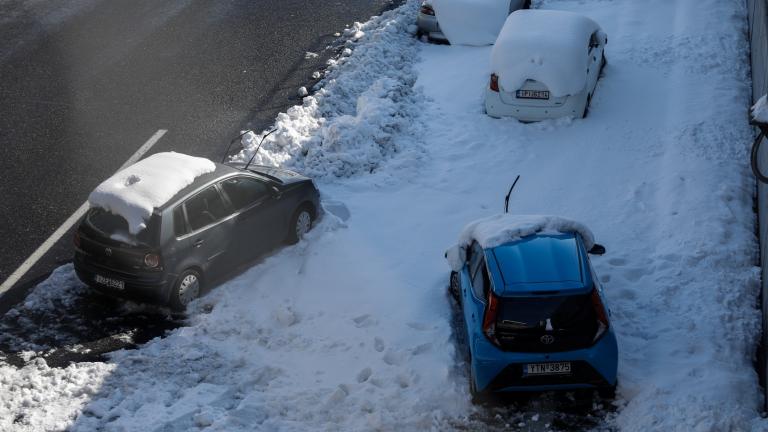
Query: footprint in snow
[421,349]
[403,381]
[634,274]
[627,294]
[364,321]
[364,374]
[618,262]
[378,344]
[420,326]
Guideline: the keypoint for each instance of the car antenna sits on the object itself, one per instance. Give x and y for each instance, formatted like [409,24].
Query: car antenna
[257,148]
[506,199]
[226,153]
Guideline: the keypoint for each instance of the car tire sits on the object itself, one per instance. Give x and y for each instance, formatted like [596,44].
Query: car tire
[453,287]
[301,223]
[586,107]
[186,288]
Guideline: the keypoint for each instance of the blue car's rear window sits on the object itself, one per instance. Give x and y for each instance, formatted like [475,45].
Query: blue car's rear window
[539,259]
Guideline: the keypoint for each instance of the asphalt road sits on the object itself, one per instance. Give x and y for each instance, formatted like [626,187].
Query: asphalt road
[84,83]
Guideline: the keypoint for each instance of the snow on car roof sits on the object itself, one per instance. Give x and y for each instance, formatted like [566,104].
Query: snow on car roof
[547,46]
[500,229]
[137,190]
[471,22]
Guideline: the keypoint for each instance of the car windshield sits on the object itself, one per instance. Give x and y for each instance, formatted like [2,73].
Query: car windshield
[115,228]
[563,312]
[539,259]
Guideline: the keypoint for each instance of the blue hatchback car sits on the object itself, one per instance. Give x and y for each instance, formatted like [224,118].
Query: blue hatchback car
[534,311]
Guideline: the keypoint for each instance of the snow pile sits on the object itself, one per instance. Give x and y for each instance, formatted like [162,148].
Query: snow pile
[39,398]
[548,46]
[137,190]
[363,108]
[504,228]
[471,22]
[760,110]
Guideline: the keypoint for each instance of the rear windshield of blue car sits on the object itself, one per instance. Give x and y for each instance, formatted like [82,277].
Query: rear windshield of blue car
[113,227]
[564,312]
[540,259]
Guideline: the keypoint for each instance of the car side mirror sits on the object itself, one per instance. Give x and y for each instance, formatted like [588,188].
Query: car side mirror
[597,249]
[602,37]
[457,257]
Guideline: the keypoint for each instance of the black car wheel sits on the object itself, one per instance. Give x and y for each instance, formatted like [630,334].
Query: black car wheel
[453,286]
[186,288]
[301,223]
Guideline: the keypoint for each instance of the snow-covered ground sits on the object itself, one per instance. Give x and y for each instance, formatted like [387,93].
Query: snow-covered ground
[351,329]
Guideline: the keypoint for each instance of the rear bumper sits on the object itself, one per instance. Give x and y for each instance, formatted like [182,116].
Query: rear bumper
[144,287]
[501,371]
[495,107]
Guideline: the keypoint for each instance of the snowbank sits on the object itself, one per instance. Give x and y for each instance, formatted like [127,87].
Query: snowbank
[504,228]
[363,107]
[471,22]
[137,190]
[548,46]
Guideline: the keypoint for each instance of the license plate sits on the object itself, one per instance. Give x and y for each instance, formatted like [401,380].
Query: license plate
[533,94]
[548,368]
[109,282]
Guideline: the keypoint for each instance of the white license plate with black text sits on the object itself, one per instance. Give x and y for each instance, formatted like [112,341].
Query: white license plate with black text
[533,94]
[558,368]
[109,282]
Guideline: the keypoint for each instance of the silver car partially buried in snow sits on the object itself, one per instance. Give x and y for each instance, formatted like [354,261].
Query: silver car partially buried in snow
[428,26]
[538,74]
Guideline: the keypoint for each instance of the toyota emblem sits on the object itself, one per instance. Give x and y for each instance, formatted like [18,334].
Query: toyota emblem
[547,339]
[108,252]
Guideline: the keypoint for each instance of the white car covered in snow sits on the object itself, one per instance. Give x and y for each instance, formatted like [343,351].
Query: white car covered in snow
[469,22]
[545,64]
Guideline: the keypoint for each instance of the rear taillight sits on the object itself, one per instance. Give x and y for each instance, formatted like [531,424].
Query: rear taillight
[151,260]
[489,320]
[76,239]
[427,9]
[600,312]
[494,82]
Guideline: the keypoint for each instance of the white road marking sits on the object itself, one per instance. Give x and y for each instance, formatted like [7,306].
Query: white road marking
[71,221]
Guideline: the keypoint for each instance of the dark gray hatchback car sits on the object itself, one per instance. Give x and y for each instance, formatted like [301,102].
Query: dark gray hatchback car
[220,222]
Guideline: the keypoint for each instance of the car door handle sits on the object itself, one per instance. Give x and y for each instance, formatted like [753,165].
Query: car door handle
[198,243]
